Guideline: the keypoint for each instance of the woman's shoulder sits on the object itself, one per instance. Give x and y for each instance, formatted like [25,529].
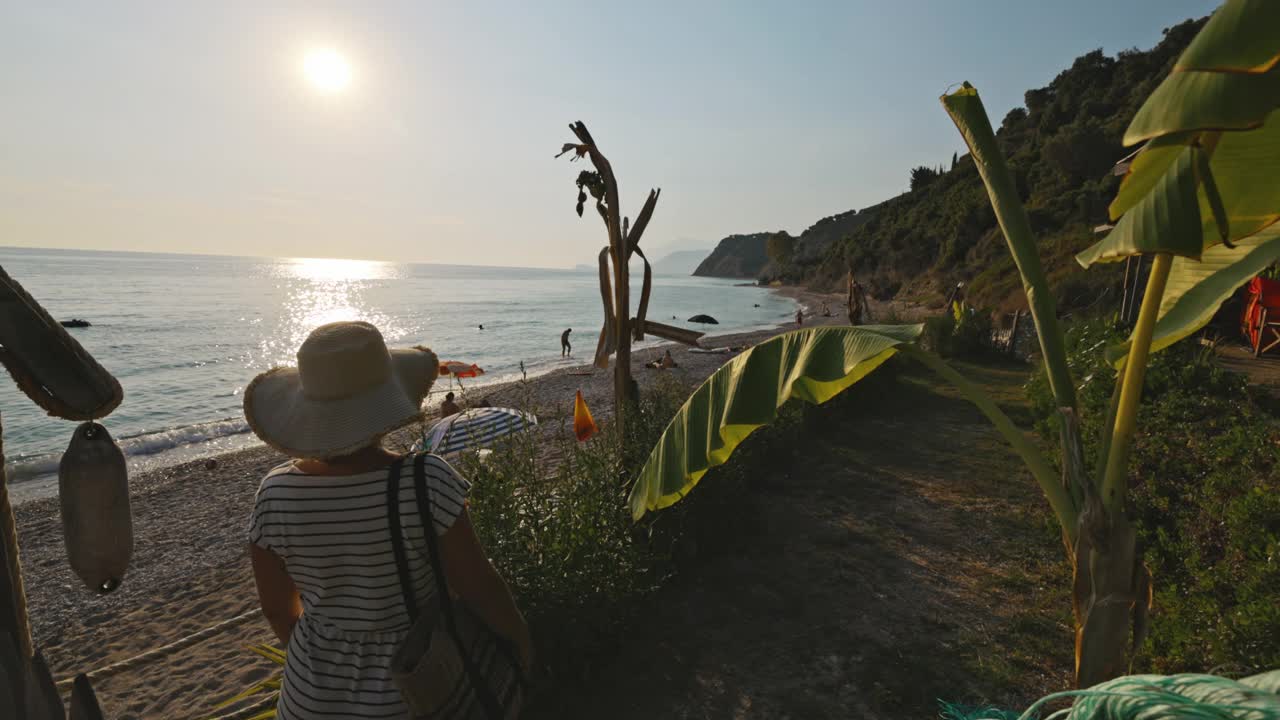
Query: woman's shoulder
[443,477]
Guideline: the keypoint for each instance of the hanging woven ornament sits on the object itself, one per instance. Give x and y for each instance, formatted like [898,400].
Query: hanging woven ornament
[97,523]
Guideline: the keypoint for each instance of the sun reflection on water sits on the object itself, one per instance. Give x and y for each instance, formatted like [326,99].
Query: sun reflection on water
[317,291]
[337,269]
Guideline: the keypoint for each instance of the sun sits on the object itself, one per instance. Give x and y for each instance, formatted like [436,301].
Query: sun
[327,70]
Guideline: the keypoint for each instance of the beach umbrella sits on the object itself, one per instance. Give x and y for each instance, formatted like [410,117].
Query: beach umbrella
[476,428]
[460,369]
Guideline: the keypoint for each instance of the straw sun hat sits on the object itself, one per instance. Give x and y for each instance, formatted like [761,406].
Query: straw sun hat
[346,392]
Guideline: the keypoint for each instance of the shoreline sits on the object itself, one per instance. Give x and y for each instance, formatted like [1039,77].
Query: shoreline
[35,477]
[190,568]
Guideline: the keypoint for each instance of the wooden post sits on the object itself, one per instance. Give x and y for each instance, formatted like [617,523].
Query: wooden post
[13,599]
[1013,334]
[1124,291]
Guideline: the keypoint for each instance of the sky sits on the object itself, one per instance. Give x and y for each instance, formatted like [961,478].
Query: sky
[193,127]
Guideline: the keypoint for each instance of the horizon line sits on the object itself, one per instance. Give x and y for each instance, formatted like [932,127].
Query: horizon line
[576,267]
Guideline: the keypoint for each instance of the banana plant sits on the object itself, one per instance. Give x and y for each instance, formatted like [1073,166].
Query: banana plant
[1202,196]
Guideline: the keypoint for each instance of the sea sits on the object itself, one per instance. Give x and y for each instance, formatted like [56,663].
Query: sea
[184,334]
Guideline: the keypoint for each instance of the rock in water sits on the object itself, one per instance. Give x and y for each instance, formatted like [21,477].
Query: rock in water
[97,524]
[704,319]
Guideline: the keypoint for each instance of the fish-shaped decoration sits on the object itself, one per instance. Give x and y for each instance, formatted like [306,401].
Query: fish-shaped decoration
[97,523]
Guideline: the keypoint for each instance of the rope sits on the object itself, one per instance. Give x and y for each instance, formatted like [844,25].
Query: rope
[163,650]
[1151,697]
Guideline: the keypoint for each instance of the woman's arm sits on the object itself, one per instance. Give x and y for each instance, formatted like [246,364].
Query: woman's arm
[472,577]
[276,591]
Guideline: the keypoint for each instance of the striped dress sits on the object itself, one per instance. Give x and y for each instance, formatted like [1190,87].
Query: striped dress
[333,535]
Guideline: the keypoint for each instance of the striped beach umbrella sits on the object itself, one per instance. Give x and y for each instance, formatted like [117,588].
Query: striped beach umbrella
[476,428]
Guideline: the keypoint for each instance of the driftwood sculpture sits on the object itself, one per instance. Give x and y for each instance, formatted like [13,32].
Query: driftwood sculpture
[624,241]
[58,375]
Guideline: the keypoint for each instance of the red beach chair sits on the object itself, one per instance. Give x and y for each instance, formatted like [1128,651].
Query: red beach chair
[1260,322]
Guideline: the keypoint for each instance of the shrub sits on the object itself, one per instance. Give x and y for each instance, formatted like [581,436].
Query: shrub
[1205,498]
[553,515]
[961,332]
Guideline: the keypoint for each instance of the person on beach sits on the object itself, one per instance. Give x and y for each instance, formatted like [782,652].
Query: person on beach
[320,535]
[857,301]
[449,407]
[665,362]
[565,348]
[800,317]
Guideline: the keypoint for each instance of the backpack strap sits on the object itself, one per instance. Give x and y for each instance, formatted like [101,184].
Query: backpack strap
[479,686]
[397,539]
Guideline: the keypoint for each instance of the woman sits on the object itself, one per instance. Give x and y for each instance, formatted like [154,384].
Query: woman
[320,539]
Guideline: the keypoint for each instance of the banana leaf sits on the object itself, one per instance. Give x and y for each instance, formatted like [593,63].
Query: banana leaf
[1159,215]
[1205,101]
[813,364]
[1196,290]
[1167,219]
[965,108]
[1241,164]
[1240,37]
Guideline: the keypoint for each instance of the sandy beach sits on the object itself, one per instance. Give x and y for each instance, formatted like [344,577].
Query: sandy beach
[190,569]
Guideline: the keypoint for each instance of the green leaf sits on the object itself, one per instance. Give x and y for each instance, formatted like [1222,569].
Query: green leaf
[1247,168]
[965,108]
[1196,290]
[1146,170]
[1243,165]
[1240,37]
[274,654]
[813,364]
[1166,220]
[1209,188]
[268,685]
[1205,101]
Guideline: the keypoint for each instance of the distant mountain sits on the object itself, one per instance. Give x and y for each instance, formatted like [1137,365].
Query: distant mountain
[680,262]
[737,256]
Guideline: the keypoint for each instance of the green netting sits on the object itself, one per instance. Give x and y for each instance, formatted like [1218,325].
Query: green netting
[1151,697]
[950,711]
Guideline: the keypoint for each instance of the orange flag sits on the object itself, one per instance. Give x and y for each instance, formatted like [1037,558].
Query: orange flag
[583,426]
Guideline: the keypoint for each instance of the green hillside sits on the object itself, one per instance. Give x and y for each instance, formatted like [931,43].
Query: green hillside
[1061,148]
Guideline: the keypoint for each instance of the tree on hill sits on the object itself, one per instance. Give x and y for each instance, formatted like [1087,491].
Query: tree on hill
[922,176]
[1060,148]
[780,247]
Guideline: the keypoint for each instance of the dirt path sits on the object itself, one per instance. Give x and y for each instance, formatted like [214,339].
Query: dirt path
[906,557]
